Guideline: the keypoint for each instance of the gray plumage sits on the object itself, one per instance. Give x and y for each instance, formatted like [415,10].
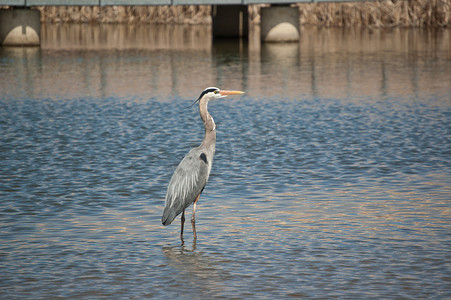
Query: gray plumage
[191,175]
[187,182]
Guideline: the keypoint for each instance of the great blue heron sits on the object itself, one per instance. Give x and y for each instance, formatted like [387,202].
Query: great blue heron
[191,175]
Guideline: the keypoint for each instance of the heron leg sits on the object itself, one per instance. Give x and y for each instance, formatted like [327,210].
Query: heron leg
[183,223]
[193,217]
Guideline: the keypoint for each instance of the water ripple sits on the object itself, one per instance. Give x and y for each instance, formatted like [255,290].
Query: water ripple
[309,196]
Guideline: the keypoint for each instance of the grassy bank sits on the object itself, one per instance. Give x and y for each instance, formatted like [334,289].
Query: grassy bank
[411,13]
[187,14]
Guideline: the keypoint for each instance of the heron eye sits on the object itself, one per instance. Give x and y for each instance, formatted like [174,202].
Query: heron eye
[216,92]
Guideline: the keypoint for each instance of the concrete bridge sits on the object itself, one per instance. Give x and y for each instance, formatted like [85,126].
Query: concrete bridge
[20,25]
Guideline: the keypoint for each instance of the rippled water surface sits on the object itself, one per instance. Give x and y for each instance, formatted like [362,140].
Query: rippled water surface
[332,176]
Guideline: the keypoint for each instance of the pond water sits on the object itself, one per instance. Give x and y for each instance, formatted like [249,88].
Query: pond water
[332,176]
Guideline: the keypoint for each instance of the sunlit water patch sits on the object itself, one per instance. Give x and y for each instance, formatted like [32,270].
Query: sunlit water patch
[311,195]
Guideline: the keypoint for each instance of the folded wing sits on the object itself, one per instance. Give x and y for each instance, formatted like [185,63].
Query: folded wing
[187,182]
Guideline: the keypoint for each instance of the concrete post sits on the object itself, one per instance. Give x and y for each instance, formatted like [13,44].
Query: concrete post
[20,27]
[279,24]
[230,21]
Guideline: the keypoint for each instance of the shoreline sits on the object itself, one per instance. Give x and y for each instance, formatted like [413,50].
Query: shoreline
[388,13]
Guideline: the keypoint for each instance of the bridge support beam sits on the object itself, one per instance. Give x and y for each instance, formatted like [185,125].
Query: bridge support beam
[20,27]
[230,21]
[279,24]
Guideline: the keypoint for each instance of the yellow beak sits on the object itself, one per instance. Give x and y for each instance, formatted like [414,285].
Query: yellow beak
[226,93]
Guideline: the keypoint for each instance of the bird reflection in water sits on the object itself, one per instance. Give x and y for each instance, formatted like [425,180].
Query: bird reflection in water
[204,271]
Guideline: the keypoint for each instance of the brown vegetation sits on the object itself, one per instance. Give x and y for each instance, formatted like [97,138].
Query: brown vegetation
[187,14]
[414,13]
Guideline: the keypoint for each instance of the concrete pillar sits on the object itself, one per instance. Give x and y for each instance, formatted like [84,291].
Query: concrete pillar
[230,21]
[20,27]
[279,24]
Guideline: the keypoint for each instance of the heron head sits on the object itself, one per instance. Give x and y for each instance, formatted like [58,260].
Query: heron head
[212,93]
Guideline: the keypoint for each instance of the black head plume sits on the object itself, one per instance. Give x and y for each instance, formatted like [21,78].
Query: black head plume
[207,90]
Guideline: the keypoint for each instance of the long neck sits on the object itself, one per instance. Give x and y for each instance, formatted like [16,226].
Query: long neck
[209,124]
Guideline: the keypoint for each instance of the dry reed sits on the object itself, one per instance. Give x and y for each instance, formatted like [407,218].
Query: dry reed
[411,13]
[187,14]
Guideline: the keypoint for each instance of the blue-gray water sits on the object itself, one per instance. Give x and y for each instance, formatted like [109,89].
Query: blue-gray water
[332,176]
